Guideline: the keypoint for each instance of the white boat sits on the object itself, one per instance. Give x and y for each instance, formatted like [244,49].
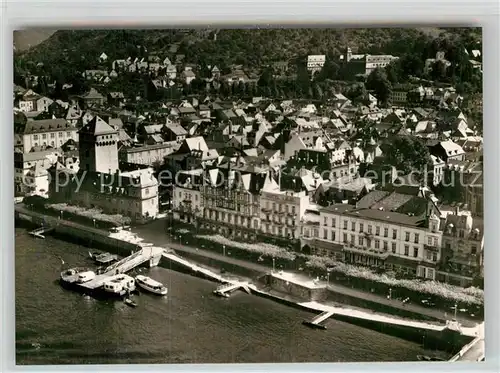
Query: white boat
[151,285]
[119,284]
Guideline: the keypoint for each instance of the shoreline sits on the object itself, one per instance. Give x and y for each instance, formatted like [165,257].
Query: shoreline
[370,318]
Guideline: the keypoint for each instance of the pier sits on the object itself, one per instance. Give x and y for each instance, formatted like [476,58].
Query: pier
[316,322]
[39,232]
[226,289]
[146,254]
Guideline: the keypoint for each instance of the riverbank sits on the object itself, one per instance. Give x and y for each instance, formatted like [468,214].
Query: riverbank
[92,237]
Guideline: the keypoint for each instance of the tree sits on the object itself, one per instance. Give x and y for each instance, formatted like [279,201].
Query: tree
[303,80]
[266,78]
[438,71]
[330,70]
[407,153]
[378,82]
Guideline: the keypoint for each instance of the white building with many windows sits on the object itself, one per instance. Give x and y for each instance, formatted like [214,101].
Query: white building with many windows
[379,232]
[282,210]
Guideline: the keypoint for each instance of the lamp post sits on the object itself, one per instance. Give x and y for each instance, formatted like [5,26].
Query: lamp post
[390,293]
[93,221]
[273,264]
[224,250]
[455,312]
[327,278]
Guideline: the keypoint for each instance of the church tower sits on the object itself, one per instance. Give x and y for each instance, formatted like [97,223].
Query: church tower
[98,147]
[348,54]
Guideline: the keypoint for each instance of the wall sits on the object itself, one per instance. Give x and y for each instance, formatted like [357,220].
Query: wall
[296,290]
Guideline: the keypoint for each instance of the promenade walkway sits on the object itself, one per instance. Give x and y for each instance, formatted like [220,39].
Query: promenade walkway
[306,281]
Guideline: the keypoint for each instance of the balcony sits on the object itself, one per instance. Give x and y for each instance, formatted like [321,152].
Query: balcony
[431,248]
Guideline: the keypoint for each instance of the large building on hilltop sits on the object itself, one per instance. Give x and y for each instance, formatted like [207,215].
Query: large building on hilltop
[103,182]
[363,64]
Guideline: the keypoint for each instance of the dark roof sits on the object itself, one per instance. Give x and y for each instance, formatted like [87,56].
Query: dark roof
[46,125]
[97,126]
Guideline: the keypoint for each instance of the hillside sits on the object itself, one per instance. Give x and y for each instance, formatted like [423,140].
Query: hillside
[25,39]
[249,47]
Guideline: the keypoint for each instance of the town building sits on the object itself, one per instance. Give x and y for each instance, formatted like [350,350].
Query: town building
[101,181]
[315,63]
[386,230]
[463,243]
[45,133]
[363,64]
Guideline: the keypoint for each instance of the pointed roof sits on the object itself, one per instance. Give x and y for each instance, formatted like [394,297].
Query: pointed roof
[98,126]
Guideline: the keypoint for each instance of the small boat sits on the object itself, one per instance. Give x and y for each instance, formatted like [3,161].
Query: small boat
[103,258]
[129,302]
[151,285]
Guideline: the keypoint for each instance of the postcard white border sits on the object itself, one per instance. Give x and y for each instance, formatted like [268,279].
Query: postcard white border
[125,14]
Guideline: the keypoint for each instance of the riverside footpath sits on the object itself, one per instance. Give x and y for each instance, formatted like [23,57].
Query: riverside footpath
[152,233]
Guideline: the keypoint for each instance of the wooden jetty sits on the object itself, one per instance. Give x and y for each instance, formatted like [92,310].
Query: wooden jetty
[316,322]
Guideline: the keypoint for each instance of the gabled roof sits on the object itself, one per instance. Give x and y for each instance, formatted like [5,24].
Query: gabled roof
[97,126]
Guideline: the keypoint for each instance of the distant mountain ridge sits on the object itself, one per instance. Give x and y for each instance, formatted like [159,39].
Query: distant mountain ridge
[249,47]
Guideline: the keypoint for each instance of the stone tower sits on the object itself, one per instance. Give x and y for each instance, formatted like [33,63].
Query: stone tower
[98,147]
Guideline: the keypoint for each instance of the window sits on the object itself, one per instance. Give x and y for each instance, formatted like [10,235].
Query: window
[377,231]
[274,206]
[325,234]
[435,241]
[415,252]
[360,241]
[461,233]
[52,135]
[407,250]
[334,222]
[345,224]
[386,232]
[377,244]
[353,226]
[61,134]
[345,237]
[428,255]
[393,247]
[394,234]
[430,273]
[369,229]
[434,257]
[353,239]
[35,137]
[333,235]
[429,241]
[416,237]
[407,236]
[325,221]
[473,249]
[361,227]
[44,136]
[386,246]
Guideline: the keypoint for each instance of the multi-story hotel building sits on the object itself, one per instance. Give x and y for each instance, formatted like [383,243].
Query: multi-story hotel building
[282,210]
[230,199]
[389,230]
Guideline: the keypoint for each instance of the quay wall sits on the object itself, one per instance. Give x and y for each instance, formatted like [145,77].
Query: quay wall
[85,236]
[324,294]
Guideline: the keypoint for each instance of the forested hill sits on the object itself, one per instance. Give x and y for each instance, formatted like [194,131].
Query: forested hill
[79,49]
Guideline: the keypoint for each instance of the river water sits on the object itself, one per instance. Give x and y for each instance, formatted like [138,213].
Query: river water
[57,326]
